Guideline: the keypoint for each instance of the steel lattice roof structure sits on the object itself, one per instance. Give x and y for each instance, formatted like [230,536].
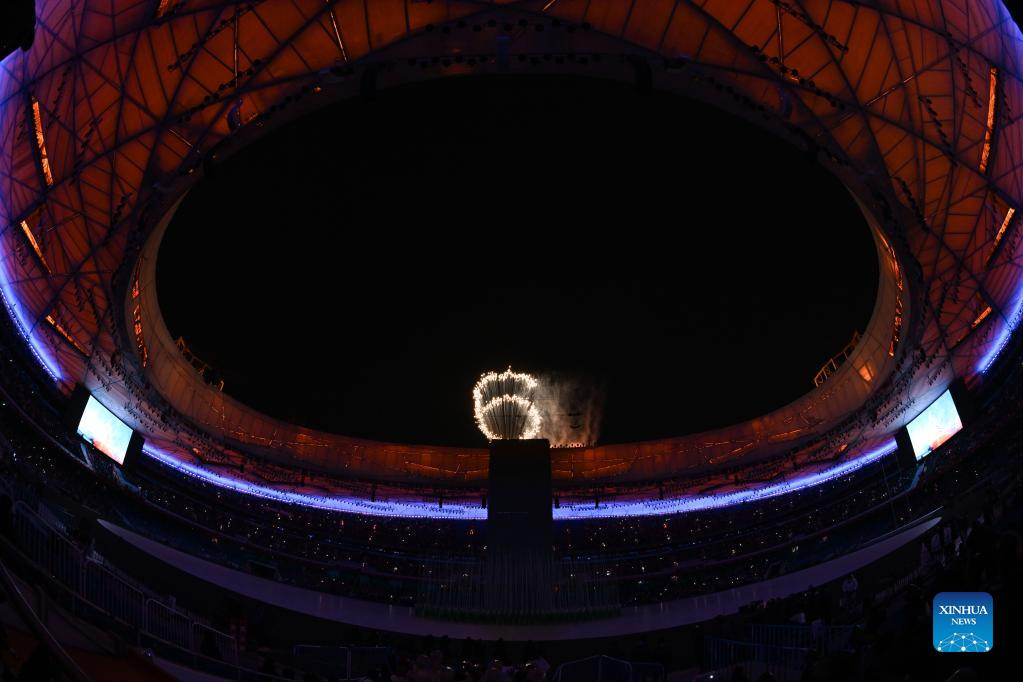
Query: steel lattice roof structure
[119,107]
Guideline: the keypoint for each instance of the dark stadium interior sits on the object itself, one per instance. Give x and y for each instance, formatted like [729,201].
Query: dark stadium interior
[532,199]
[667,217]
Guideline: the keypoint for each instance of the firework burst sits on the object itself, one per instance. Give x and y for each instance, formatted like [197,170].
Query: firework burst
[503,406]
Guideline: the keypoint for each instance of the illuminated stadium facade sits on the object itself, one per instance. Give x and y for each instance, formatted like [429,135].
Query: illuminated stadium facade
[115,113]
[173,524]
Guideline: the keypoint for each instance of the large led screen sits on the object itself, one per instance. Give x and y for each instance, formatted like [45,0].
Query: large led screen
[935,425]
[107,433]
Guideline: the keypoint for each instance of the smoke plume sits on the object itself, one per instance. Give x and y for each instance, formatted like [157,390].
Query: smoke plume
[570,408]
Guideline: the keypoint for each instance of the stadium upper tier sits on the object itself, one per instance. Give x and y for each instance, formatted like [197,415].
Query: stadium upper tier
[115,112]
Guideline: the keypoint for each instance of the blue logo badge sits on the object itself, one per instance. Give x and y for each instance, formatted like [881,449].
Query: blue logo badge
[963,622]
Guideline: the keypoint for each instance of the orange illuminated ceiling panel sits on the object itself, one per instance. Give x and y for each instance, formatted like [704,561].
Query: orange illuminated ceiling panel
[984,310]
[1006,222]
[40,138]
[980,317]
[136,317]
[164,7]
[64,334]
[27,225]
[134,96]
[989,131]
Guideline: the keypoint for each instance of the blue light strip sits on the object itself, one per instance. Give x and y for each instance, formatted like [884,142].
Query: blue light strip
[683,505]
[351,505]
[16,311]
[14,308]
[1003,338]
[454,511]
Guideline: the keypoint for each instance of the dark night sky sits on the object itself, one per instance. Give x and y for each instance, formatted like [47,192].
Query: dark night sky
[357,270]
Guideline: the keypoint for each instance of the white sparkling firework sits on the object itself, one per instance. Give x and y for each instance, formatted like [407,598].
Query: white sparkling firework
[503,406]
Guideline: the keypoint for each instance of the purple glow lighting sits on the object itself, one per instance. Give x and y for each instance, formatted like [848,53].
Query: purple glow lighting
[717,501]
[455,511]
[1011,323]
[12,305]
[18,316]
[347,504]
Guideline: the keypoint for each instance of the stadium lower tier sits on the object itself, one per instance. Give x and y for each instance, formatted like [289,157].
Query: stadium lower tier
[972,546]
[608,563]
[639,560]
[58,516]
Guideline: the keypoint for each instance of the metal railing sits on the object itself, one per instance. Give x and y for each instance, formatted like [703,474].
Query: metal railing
[607,669]
[168,624]
[30,618]
[103,593]
[48,548]
[214,644]
[648,672]
[820,638]
[111,594]
[899,585]
[723,656]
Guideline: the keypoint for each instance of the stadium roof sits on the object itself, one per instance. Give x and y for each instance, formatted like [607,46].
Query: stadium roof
[118,107]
